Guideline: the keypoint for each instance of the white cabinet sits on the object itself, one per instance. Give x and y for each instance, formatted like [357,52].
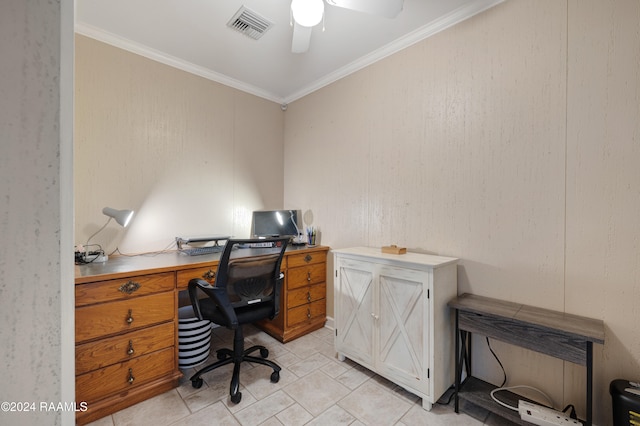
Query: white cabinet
[391,316]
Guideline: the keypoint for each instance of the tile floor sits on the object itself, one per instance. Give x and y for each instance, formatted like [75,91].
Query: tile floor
[314,389]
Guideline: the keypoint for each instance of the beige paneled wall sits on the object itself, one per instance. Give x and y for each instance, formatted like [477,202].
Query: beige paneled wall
[454,146]
[191,156]
[511,141]
[603,178]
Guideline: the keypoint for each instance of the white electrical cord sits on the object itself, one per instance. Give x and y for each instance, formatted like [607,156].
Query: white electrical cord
[518,387]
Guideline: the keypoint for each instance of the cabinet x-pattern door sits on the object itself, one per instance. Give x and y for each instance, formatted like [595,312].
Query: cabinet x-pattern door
[402,324]
[354,311]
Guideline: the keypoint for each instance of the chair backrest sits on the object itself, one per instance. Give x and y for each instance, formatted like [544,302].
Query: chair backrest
[250,273]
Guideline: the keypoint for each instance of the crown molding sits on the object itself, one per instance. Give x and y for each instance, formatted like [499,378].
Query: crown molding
[172,61]
[434,27]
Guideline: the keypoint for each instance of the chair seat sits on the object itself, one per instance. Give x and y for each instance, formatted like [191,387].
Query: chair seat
[246,314]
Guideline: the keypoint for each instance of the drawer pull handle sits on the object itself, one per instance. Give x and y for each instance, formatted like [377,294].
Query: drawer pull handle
[308,258]
[308,313]
[130,351]
[130,317]
[309,276]
[131,378]
[209,275]
[129,287]
[308,296]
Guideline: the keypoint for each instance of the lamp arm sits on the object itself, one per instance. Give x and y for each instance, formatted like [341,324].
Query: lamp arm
[97,232]
[294,222]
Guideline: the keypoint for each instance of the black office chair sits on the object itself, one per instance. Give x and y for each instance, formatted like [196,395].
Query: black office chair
[247,289]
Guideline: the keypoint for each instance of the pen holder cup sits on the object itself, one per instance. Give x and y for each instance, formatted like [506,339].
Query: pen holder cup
[313,238]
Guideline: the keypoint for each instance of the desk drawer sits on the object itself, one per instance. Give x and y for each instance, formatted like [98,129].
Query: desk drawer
[306,295]
[304,259]
[112,350]
[125,376]
[125,288]
[207,273]
[306,275]
[111,318]
[306,312]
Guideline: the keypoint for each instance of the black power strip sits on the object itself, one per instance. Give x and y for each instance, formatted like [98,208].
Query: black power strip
[80,257]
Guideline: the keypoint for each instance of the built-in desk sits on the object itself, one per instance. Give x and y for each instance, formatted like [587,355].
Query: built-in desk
[126,328]
[558,334]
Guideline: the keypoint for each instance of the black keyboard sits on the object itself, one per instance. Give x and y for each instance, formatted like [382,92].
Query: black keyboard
[197,251]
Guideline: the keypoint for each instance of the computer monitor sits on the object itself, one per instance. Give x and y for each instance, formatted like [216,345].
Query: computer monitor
[274,223]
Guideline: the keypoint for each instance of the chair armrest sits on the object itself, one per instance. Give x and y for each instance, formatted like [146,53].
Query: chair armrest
[218,295]
[276,296]
[193,287]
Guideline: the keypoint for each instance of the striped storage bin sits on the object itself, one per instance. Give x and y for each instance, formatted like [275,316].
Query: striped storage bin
[194,338]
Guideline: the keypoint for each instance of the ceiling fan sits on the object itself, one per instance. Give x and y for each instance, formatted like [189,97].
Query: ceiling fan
[305,14]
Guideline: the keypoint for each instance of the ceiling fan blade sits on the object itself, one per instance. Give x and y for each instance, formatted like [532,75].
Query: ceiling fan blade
[386,8]
[301,38]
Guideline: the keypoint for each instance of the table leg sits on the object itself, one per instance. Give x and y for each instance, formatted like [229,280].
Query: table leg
[457,362]
[589,383]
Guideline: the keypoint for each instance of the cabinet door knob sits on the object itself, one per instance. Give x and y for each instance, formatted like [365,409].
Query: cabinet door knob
[309,276]
[130,317]
[130,351]
[308,296]
[131,378]
[375,317]
[210,275]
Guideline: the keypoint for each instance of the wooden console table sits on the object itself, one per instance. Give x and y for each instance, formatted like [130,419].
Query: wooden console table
[558,334]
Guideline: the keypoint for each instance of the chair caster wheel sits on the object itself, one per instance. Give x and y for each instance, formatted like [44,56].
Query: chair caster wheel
[236,397]
[275,377]
[264,353]
[197,383]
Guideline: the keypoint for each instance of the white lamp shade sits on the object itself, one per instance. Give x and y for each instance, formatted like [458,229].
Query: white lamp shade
[123,217]
[307,13]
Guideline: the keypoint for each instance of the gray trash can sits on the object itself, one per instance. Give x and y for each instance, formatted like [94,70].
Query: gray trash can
[194,338]
[626,403]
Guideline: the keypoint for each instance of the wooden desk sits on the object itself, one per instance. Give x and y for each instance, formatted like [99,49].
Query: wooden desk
[127,323]
[558,334]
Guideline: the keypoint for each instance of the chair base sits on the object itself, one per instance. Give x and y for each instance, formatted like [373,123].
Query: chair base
[237,356]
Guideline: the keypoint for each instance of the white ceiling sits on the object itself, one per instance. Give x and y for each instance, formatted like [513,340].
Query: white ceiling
[193,35]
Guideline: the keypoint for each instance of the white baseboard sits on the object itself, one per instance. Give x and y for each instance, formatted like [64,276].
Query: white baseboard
[330,323]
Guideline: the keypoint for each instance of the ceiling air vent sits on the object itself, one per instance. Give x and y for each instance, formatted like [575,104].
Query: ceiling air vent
[249,23]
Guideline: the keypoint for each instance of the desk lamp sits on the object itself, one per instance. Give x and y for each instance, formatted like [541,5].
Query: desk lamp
[123,217]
